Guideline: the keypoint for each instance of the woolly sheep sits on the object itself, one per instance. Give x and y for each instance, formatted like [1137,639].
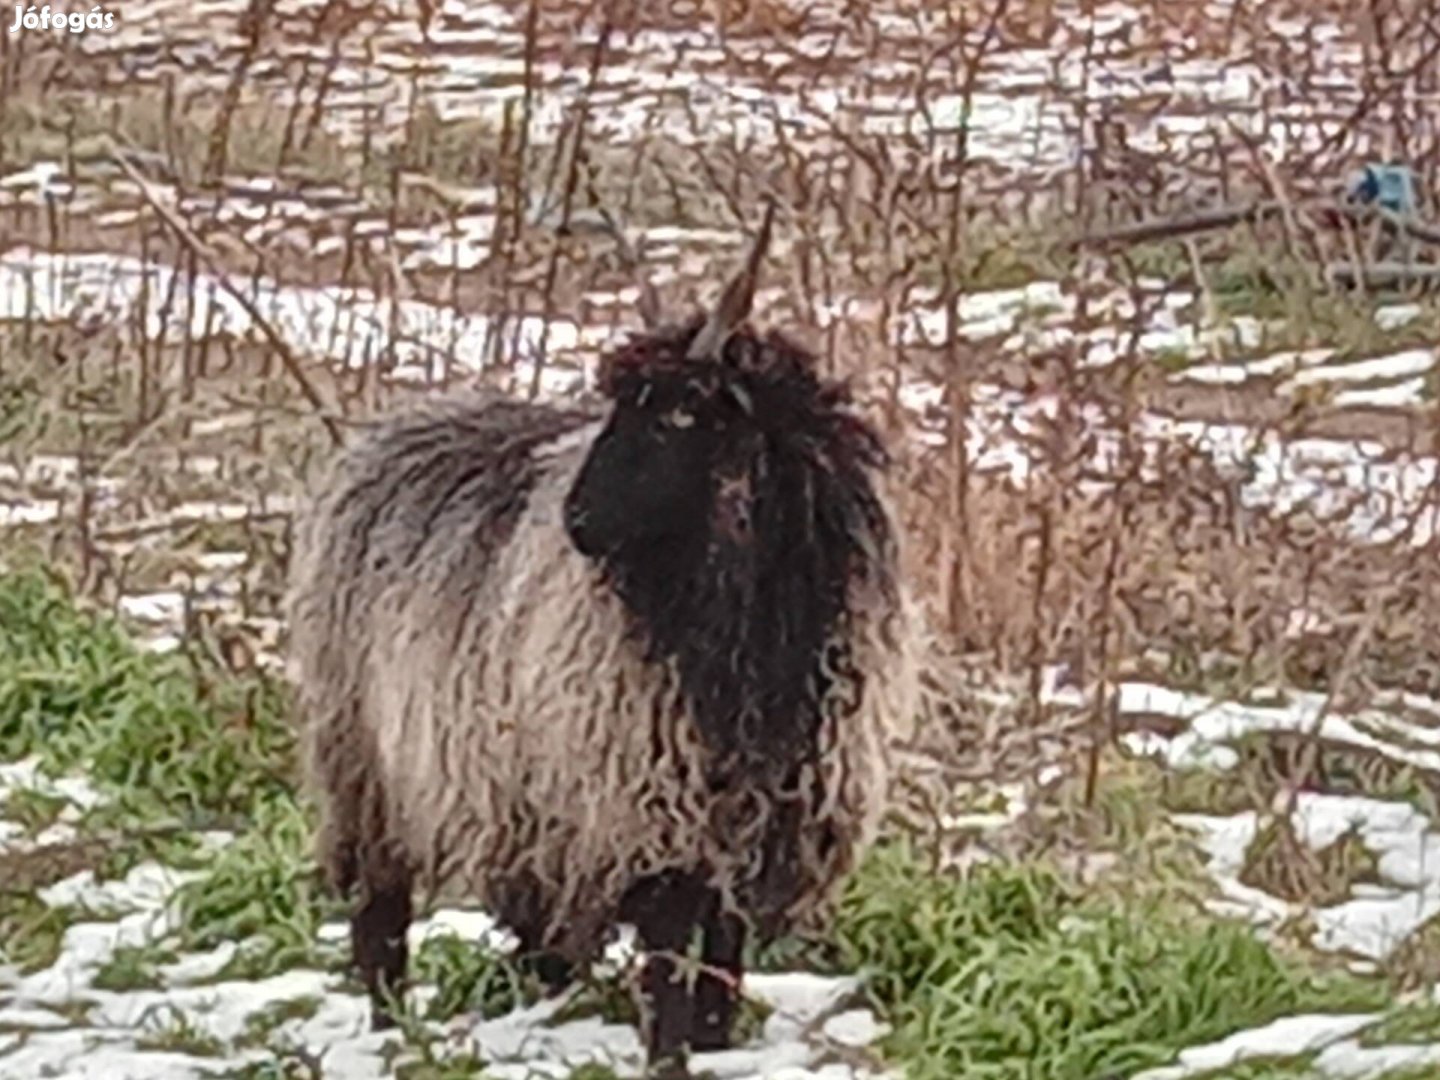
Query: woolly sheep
[633,666]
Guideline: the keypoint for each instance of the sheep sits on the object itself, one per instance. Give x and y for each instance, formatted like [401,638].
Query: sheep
[590,666]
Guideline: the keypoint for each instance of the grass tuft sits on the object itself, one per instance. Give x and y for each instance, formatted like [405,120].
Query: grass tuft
[468,978]
[77,692]
[1009,974]
[133,967]
[1415,964]
[1282,864]
[31,931]
[263,890]
[1415,1023]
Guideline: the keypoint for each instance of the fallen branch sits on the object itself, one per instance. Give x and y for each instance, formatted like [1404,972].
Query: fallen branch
[1382,274]
[1169,228]
[195,244]
[1225,216]
[140,530]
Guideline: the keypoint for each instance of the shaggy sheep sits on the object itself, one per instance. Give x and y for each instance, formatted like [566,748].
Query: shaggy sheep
[597,668]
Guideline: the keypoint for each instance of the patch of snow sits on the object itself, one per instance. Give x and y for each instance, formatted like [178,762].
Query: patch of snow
[199,967]
[347,325]
[1351,1060]
[523,1036]
[1373,926]
[165,607]
[1397,366]
[1409,392]
[796,999]
[146,888]
[857,1027]
[26,774]
[1373,921]
[29,513]
[523,1043]
[1394,316]
[161,643]
[87,1054]
[1281,363]
[1213,721]
[1289,1036]
[220,1010]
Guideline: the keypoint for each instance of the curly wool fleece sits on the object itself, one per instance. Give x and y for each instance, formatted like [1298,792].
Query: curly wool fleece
[479,706]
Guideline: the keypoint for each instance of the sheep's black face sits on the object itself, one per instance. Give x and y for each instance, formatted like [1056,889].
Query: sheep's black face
[730,506]
[648,478]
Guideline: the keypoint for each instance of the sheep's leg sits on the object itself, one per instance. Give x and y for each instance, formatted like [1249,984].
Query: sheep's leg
[717,990]
[553,970]
[522,906]
[666,910]
[378,930]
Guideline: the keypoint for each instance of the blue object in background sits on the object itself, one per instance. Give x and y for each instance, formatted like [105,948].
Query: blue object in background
[1391,187]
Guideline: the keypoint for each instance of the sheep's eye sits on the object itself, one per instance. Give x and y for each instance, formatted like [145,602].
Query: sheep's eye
[678,418]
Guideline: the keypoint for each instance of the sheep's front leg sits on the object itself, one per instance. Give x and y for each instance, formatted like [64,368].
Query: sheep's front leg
[378,931]
[553,970]
[666,910]
[717,990]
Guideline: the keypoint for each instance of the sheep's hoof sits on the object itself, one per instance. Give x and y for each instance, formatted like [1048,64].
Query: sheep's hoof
[554,974]
[671,1067]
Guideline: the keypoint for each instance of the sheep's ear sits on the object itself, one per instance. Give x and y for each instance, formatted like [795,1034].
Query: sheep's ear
[734,305]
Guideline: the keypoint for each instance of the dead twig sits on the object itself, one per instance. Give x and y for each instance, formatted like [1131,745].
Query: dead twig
[187,237]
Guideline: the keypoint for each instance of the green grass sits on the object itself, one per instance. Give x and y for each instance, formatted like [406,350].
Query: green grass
[167,1028]
[1011,974]
[263,890]
[469,978]
[176,747]
[1279,862]
[159,729]
[30,930]
[261,1025]
[32,809]
[133,967]
[1417,1022]
[1410,1072]
[1263,1068]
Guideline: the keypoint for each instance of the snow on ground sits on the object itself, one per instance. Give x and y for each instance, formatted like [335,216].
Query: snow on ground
[38,1013]
[55,1023]
[1404,841]
[1289,1036]
[351,326]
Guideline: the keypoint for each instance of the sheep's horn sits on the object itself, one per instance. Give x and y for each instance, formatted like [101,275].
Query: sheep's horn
[734,305]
